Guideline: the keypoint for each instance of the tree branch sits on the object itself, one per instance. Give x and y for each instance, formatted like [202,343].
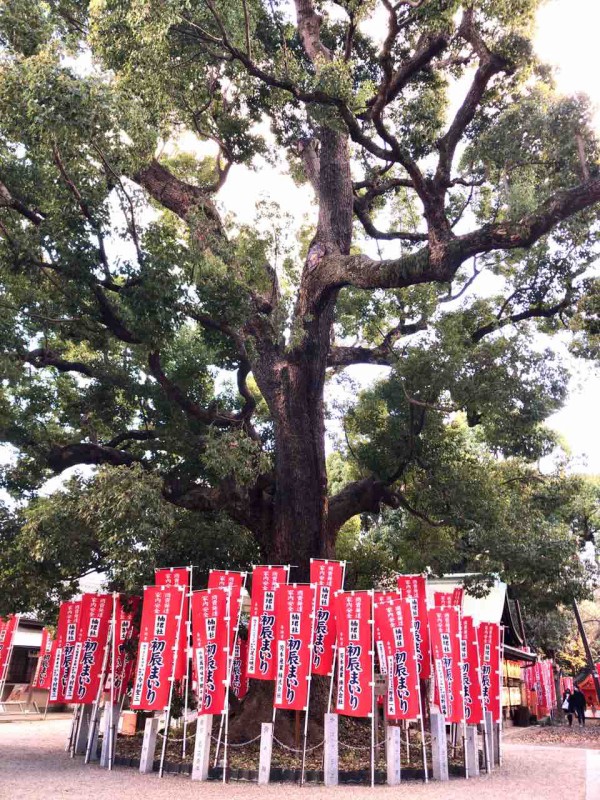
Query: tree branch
[43,357]
[383,354]
[222,419]
[190,203]
[538,311]
[489,65]
[440,265]
[8,200]
[128,436]
[71,455]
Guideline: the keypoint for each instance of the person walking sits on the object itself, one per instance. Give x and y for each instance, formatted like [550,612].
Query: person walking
[567,706]
[579,704]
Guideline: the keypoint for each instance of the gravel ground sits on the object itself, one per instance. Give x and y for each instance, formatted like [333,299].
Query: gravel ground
[559,734]
[34,766]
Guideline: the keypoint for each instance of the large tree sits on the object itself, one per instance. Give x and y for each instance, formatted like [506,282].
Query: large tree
[430,135]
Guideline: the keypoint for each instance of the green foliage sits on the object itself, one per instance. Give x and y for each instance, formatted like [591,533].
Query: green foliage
[116,524]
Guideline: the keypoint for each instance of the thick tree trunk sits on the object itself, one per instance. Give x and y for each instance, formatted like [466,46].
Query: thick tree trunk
[294,392]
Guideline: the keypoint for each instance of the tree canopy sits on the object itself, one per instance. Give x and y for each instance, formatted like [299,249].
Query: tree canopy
[453,235]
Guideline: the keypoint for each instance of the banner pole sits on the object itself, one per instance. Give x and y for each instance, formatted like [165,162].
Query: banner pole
[187,662]
[227,679]
[462,693]
[111,722]
[309,678]
[96,706]
[232,655]
[76,711]
[9,657]
[421,715]
[335,648]
[373,699]
[168,709]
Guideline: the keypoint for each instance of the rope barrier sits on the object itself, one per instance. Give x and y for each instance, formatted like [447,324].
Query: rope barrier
[238,744]
[295,749]
[359,746]
[172,739]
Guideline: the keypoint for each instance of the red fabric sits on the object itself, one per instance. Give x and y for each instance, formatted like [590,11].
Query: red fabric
[396,646]
[471,672]
[294,626]
[126,633]
[355,660]
[234,581]
[266,580]
[42,672]
[7,631]
[178,576]
[329,576]
[211,636]
[161,611]
[489,657]
[90,644]
[239,676]
[414,588]
[444,627]
[62,653]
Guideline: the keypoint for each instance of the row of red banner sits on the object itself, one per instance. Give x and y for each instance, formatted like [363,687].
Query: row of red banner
[293,632]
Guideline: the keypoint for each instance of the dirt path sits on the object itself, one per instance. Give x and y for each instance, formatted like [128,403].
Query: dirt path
[34,766]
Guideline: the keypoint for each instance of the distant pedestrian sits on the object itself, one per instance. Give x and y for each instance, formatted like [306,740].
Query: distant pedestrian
[567,706]
[579,704]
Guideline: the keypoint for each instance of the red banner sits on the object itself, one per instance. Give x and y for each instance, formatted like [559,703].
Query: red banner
[414,588]
[397,652]
[178,576]
[42,672]
[239,677]
[354,653]
[88,655]
[62,659]
[7,631]
[126,632]
[444,627]
[235,582]
[162,611]
[210,637]
[489,658]
[294,615]
[329,577]
[262,663]
[449,599]
[471,672]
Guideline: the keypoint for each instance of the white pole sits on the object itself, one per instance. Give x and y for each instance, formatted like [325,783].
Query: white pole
[309,677]
[418,687]
[462,695]
[373,700]
[343,563]
[168,709]
[94,718]
[231,656]
[227,679]
[187,662]
[9,657]
[111,725]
